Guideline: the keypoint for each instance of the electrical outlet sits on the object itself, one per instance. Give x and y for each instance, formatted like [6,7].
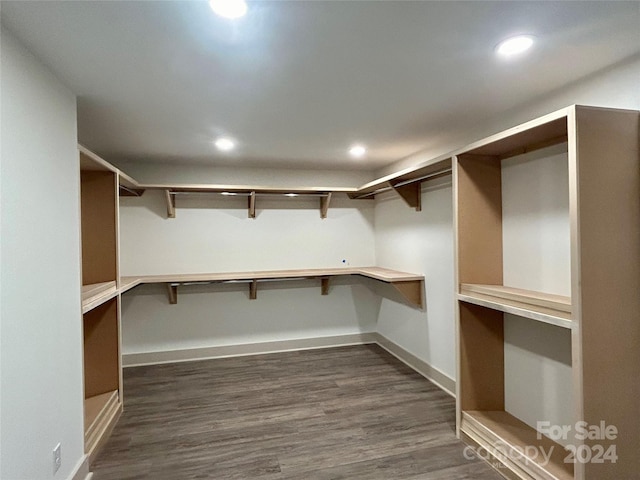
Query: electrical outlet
[57,458]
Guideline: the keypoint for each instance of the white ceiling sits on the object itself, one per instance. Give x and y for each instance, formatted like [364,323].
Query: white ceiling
[297,82]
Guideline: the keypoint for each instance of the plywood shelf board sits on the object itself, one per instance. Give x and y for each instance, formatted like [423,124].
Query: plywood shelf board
[542,307]
[103,413]
[96,294]
[552,301]
[496,429]
[246,189]
[410,286]
[377,273]
[429,169]
[96,406]
[127,283]
[539,133]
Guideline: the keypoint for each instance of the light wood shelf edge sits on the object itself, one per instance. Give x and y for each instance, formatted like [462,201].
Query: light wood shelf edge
[495,430]
[560,303]
[410,286]
[542,307]
[550,317]
[101,414]
[96,294]
[518,130]
[127,283]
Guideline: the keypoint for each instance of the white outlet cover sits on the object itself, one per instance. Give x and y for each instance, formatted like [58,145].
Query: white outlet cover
[57,458]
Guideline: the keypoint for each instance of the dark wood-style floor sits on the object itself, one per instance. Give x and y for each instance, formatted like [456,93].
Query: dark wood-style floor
[340,413]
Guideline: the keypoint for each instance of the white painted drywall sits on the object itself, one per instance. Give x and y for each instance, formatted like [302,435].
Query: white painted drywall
[420,242]
[536,245]
[535,221]
[614,87]
[222,315]
[213,234]
[41,350]
[538,382]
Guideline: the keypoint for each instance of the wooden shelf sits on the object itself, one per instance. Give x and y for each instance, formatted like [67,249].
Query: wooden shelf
[250,192]
[96,294]
[508,439]
[406,183]
[543,307]
[409,285]
[101,412]
[540,133]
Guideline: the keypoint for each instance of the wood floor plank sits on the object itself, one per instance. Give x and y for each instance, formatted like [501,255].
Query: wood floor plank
[341,413]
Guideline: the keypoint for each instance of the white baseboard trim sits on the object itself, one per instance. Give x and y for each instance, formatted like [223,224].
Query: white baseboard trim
[206,353]
[82,470]
[431,373]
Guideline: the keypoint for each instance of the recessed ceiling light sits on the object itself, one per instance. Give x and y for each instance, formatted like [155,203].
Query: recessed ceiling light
[229,8]
[225,144]
[291,194]
[514,45]
[357,151]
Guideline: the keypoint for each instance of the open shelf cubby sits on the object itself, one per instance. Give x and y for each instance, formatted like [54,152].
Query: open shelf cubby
[100,299]
[579,288]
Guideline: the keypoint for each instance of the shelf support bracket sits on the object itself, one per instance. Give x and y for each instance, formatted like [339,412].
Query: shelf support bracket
[253,289]
[125,191]
[171,204]
[411,291]
[172,293]
[324,205]
[252,205]
[324,285]
[411,194]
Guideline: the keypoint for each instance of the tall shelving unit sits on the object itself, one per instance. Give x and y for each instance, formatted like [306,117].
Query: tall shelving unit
[602,314]
[99,184]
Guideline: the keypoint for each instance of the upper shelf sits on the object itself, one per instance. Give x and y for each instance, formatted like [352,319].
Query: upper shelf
[534,135]
[543,307]
[409,285]
[250,192]
[545,131]
[406,183]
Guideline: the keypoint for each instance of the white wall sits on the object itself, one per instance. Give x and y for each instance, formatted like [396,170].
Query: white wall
[536,246]
[213,234]
[614,87]
[41,335]
[420,242]
[155,172]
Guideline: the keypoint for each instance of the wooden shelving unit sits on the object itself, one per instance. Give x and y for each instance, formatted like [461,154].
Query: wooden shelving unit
[405,183]
[409,285]
[601,313]
[100,299]
[251,193]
